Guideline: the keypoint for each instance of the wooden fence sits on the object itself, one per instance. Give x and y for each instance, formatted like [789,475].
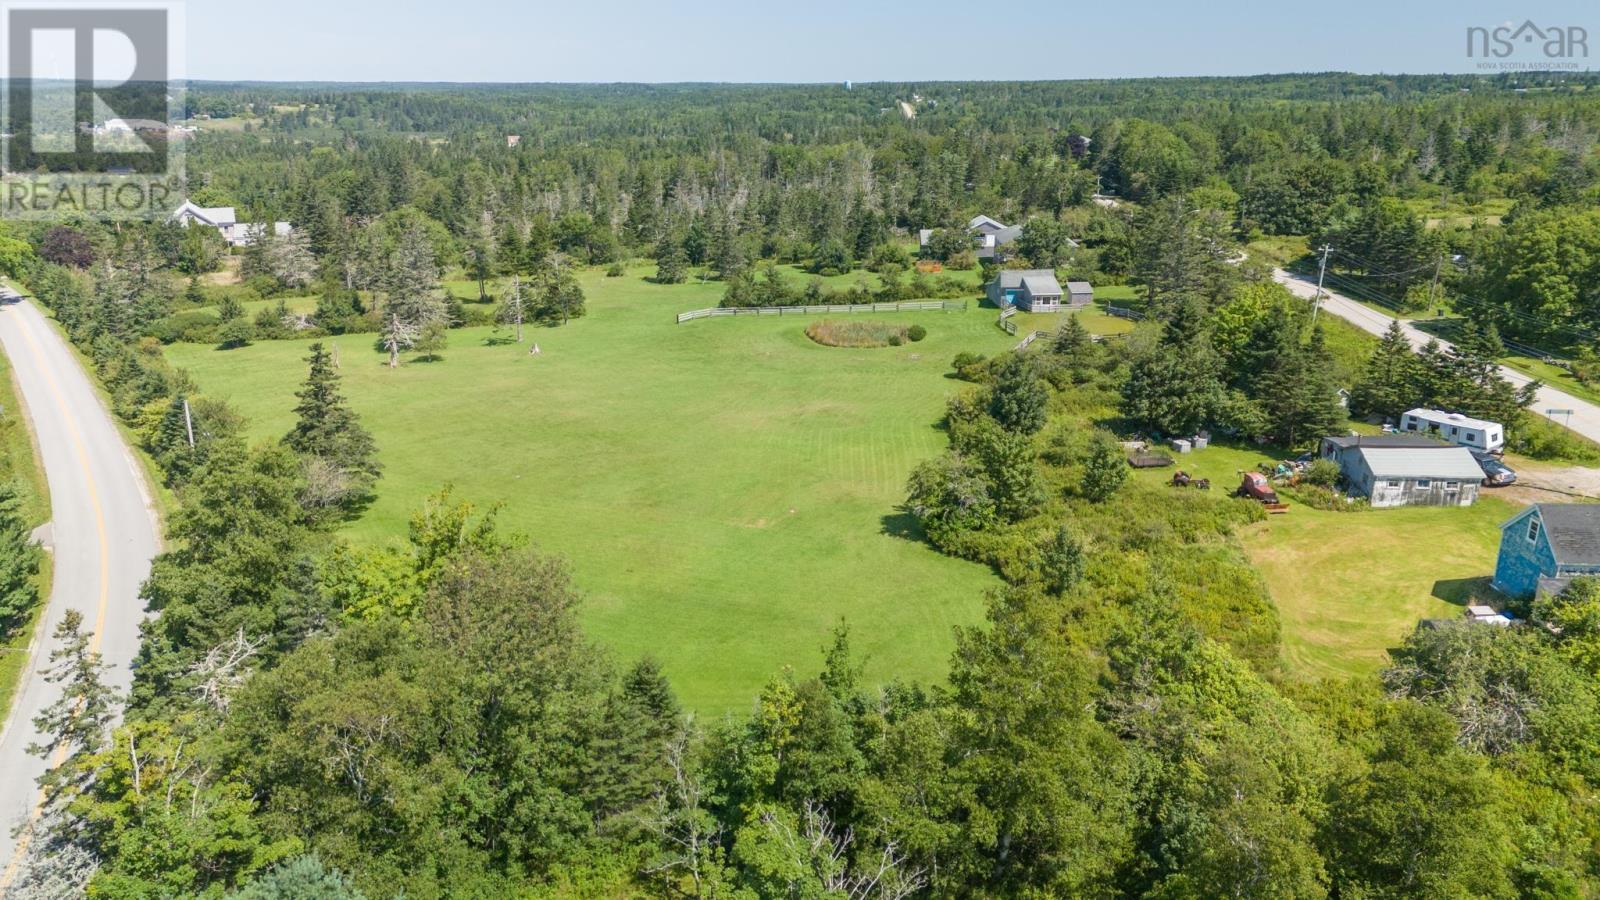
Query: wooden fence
[846,308]
[1028,341]
[1124,313]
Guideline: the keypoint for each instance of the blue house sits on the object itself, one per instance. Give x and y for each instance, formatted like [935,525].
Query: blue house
[1545,546]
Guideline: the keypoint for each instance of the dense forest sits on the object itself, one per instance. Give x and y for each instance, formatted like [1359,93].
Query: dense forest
[313,718]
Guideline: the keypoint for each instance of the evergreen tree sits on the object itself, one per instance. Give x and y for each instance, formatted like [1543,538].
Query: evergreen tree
[1071,338]
[1388,384]
[327,430]
[1174,388]
[230,308]
[1011,466]
[80,719]
[1105,469]
[1020,400]
[1061,562]
[1299,393]
[671,263]
[560,297]
[302,878]
[412,282]
[19,562]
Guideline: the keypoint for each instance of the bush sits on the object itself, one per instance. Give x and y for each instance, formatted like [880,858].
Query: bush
[1540,439]
[1322,473]
[194,326]
[916,333]
[237,333]
[616,270]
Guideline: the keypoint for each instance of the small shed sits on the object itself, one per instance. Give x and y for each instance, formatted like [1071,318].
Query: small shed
[1079,294]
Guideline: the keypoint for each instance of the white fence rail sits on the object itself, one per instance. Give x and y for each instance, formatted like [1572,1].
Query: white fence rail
[1009,326]
[1124,313]
[845,308]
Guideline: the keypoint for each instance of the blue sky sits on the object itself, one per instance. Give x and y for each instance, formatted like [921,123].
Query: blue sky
[830,40]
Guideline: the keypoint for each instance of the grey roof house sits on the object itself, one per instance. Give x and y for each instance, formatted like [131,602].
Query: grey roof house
[1405,470]
[1034,290]
[1545,546]
[989,236]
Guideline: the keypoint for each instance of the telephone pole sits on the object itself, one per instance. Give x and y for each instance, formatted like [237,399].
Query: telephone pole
[1322,273]
[1433,289]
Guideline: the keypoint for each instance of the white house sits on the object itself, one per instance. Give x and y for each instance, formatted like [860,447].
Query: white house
[1475,434]
[224,219]
[990,237]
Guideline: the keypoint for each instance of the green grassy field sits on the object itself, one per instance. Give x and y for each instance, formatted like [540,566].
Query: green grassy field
[1343,592]
[1350,585]
[726,490]
[17,461]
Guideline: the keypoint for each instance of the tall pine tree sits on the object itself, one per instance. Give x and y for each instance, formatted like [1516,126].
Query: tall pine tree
[328,435]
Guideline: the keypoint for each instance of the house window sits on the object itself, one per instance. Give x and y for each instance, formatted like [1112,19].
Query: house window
[1472,437]
[1533,530]
[1454,431]
[1452,485]
[1393,484]
[1424,485]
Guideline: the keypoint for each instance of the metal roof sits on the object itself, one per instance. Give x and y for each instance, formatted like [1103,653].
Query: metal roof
[1038,281]
[1007,234]
[1042,285]
[1450,418]
[1080,287]
[1385,441]
[1422,462]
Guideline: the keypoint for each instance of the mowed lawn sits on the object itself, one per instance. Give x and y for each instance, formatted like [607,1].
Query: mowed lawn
[1351,585]
[725,490]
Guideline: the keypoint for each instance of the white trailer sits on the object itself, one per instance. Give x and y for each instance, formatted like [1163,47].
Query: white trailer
[1474,434]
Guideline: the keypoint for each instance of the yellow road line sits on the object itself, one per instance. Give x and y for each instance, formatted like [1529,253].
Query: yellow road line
[82,452]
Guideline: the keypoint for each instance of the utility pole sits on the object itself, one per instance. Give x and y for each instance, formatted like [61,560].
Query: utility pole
[1433,290]
[1322,273]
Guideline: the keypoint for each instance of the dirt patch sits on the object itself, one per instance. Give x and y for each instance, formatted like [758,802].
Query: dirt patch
[1545,483]
[226,276]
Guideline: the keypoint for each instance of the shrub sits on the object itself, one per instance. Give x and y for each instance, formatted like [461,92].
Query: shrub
[831,333]
[1541,439]
[916,333]
[1321,473]
[969,366]
[237,333]
[616,270]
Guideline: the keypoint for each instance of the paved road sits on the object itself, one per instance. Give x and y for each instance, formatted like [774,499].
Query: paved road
[1585,418]
[105,533]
